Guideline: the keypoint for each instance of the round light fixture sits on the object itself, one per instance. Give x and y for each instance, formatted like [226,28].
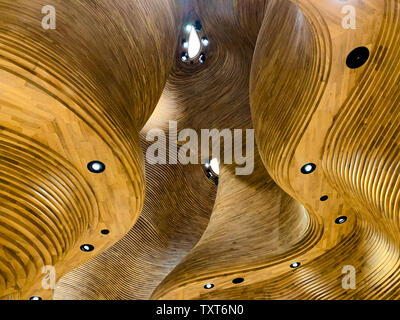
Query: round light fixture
[209,174]
[202,58]
[214,164]
[184,57]
[295,265]
[35,298]
[188,28]
[211,169]
[96,166]
[205,41]
[198,25]
[237,280]
[209,286]
[105,231]
[194,45]
[308,168]
[324,198]
[357,58]
[87,247]
[341,220]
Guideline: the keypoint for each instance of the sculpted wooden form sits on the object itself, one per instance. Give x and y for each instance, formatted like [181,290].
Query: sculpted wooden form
[88,91]
[70,96]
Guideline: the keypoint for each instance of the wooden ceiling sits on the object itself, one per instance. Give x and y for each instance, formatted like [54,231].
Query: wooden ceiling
[111,71]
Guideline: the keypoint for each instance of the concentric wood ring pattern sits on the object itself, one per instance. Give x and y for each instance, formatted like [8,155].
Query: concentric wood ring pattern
[84,91]
[303,98]
[68,96]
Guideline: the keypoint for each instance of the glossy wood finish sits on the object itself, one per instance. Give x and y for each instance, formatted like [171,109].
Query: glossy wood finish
[307,106]
[69,96]
[177,207]
[278,66]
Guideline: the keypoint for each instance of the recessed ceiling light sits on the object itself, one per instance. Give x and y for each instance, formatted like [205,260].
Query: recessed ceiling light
[198,25]
[105,231]
[357,58]
[185,44]
[202,58]
[324,198]
[308,168]
[87,247]
[205,41]
[295,265]
[35,298]
[194,45]
[237,280]
[188,28]
[184,57]
[341,220]
[96,167]
[209,286]
[211,170]
[214,164]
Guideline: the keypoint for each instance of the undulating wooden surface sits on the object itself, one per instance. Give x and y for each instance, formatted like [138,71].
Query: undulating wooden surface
[178,203]
[309,107]
[278,66]
[70,96]
[189,98]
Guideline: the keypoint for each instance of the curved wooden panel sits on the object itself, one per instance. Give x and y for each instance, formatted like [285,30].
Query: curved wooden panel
[306,107]
[254,224]
[204,89]
[272,208]
[178,203]
[278,66]
[367,242]
[289,75]
[69,96]
[361,149]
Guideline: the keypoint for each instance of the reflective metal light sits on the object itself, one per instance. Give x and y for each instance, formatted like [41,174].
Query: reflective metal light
[209,286]
[205,41]
[308,168]
[341,220]
[87,247]
[96,166]
[35,298]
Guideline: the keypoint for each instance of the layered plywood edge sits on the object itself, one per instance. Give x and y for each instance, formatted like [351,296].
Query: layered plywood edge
[70,96]
[111,71]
